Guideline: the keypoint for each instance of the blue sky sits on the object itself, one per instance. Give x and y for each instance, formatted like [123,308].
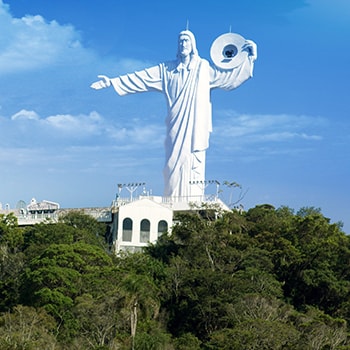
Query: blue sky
[284,135]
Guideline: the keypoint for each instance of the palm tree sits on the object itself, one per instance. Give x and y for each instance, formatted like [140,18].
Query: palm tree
[141,295]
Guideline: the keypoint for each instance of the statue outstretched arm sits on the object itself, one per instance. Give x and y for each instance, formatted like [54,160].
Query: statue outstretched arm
[104,82]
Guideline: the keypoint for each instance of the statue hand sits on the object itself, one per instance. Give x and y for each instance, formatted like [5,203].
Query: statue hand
[101,84]
[251,47]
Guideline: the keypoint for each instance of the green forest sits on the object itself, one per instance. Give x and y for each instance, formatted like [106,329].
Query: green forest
[265,278]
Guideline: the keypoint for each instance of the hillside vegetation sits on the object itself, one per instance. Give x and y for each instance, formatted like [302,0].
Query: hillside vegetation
[262,279]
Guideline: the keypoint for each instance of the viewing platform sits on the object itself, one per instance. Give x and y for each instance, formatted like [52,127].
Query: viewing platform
[48,211]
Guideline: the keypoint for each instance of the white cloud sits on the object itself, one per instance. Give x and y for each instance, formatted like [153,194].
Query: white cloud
[249,129]
[78,125]
[61,125]
[32,43]
[27,128]
[24,114]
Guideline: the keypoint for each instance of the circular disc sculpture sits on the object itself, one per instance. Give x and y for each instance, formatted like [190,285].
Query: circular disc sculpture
[227,51]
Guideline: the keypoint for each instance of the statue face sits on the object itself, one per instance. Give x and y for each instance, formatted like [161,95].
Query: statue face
[185,45]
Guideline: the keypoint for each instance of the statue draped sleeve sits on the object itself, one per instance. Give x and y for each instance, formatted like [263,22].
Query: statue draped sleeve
[233,78]
[149,79]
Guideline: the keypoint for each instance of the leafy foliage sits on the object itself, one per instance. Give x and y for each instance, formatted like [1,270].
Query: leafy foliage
[263,279]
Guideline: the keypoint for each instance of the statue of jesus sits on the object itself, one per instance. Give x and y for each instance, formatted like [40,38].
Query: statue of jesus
[186,83]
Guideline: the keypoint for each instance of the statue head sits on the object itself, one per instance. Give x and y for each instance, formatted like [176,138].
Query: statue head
[183,35]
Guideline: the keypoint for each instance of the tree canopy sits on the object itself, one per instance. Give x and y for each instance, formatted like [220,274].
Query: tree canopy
[267,278]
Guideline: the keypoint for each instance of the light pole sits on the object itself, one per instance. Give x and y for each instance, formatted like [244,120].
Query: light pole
[204,184]
[131,187]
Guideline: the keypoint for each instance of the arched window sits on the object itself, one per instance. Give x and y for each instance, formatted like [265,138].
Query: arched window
[127,230]
[145,228]
[162,227]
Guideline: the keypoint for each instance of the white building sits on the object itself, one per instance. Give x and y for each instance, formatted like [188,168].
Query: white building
[139,222]
[33,213]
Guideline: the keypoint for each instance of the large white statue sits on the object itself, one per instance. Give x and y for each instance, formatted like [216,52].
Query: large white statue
[186,83]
